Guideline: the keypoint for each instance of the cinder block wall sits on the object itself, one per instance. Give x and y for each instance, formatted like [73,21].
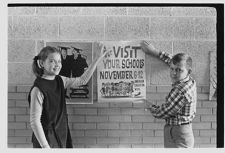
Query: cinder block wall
[112,125]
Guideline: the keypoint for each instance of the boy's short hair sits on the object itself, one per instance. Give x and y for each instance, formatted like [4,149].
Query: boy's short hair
[182,57]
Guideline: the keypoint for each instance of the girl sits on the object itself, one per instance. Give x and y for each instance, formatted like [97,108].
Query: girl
[48,114]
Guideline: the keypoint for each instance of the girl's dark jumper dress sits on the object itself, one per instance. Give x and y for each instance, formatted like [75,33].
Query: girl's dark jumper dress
[54,115]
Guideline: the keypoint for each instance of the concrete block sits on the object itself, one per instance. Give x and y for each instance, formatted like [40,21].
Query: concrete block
[121,104]
[202,96]
[164,89]
[146,145]
[108,140]
[134,111]
[23,88]
[183,28]
[119,146]
[104,11]
[213,140]
[24,145]
[39,45]
[76,118]
[11,88]
[208,118]
[96,146]
[204,111]
[142,133]
[77,133]
[208,133]
[84,126]
[23,133]
[35,27]
[16,125]
[85,27]
[98,105]
[193,11]
[107,125]
[205,89]
[161,28]
[58,10]
[21,11]
[209,104]
[20,73]
[120,118]
[130,126]
[158,133]
[22,118]
[214,125]
[84,140]
[207,146]
[151,89]
[17,140]
[197,119]
[156,96]
[118,133]
[17,96]
[21,50]
[96,118]
[11,103]
[96,133]
[11,118]
[11,133]
[10,27]
[130,140]
[205,28]
[149,11]
[109,111]
[85,111]
[202,140]
[200,73]
[142,118]
[153,140]
[126,28]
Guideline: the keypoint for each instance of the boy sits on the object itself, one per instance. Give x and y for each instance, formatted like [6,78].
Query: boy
[180,106]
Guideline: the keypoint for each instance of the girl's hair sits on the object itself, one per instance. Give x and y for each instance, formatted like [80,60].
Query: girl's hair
[38,70]
[183,57]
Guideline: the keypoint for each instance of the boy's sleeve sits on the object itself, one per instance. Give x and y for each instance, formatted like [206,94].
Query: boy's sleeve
[165,57]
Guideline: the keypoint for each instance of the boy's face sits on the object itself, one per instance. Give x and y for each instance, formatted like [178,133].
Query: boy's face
[178,71]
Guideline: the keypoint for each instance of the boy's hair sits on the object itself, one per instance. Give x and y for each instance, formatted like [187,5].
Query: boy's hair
[182,57]
[42,56]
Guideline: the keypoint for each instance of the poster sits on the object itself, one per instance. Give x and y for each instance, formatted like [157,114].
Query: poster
[121,74]
[76,58]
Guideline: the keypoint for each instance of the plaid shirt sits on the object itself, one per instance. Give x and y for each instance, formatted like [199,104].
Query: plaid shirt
[180,105]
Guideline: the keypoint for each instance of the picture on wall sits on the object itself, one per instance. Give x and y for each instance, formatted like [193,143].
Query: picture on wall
[121,74]
[76,58]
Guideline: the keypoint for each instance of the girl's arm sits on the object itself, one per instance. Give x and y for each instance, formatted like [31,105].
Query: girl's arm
[35,117]
[82,80]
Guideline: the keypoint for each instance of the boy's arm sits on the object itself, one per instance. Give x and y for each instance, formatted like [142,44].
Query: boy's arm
[151,50]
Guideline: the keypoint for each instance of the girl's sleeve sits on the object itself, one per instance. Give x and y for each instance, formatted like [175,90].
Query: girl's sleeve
[35,117]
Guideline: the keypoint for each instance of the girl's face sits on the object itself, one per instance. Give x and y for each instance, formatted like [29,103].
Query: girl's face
[178,71]
[52,65]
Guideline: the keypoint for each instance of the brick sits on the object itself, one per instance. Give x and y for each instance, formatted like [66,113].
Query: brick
[118,133]
[205,28]
[96,133]
[11,133]
[24,146]
[22,118]
[58,11]
[23,133]
[202,140]
[203,96]
[76,118]
[152,139]
[158,133]
[138,105]
[85,111]
[84,125]
[84,27]
[35,27]
[163,89]
[130,126]
[134,111]
[108,140]
[130,140]
[204,111]
[104,11]
[107,125]
[197,119]
[207,145]
[142,133]
[77,133]
[205,89]
[23,88]
[17,96]
[201,126]
[11,103]
[209,104]
[153,126]
[17,111]
[98,105]
[96,146]
[11,88]
[151,89]
[96,118]
[142,118]
[196,133]
[21,10]
[24,71]
[213,140]
[21,50]
[121,104]
[79,146]
[207,133]
[199,89]
[17,140]
[214,125]
[21,103]
[149,11]
[146,145]
[120,118]
[16,126]
[199,104]
[11,118]
[84,140]
[208,118]
[118,28]
[193,11]
[109,111]
[119,146]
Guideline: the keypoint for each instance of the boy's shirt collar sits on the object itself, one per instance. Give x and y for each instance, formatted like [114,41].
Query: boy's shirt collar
[181,81]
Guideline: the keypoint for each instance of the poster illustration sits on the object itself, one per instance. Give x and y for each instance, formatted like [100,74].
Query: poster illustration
[76,58]
[121,74]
